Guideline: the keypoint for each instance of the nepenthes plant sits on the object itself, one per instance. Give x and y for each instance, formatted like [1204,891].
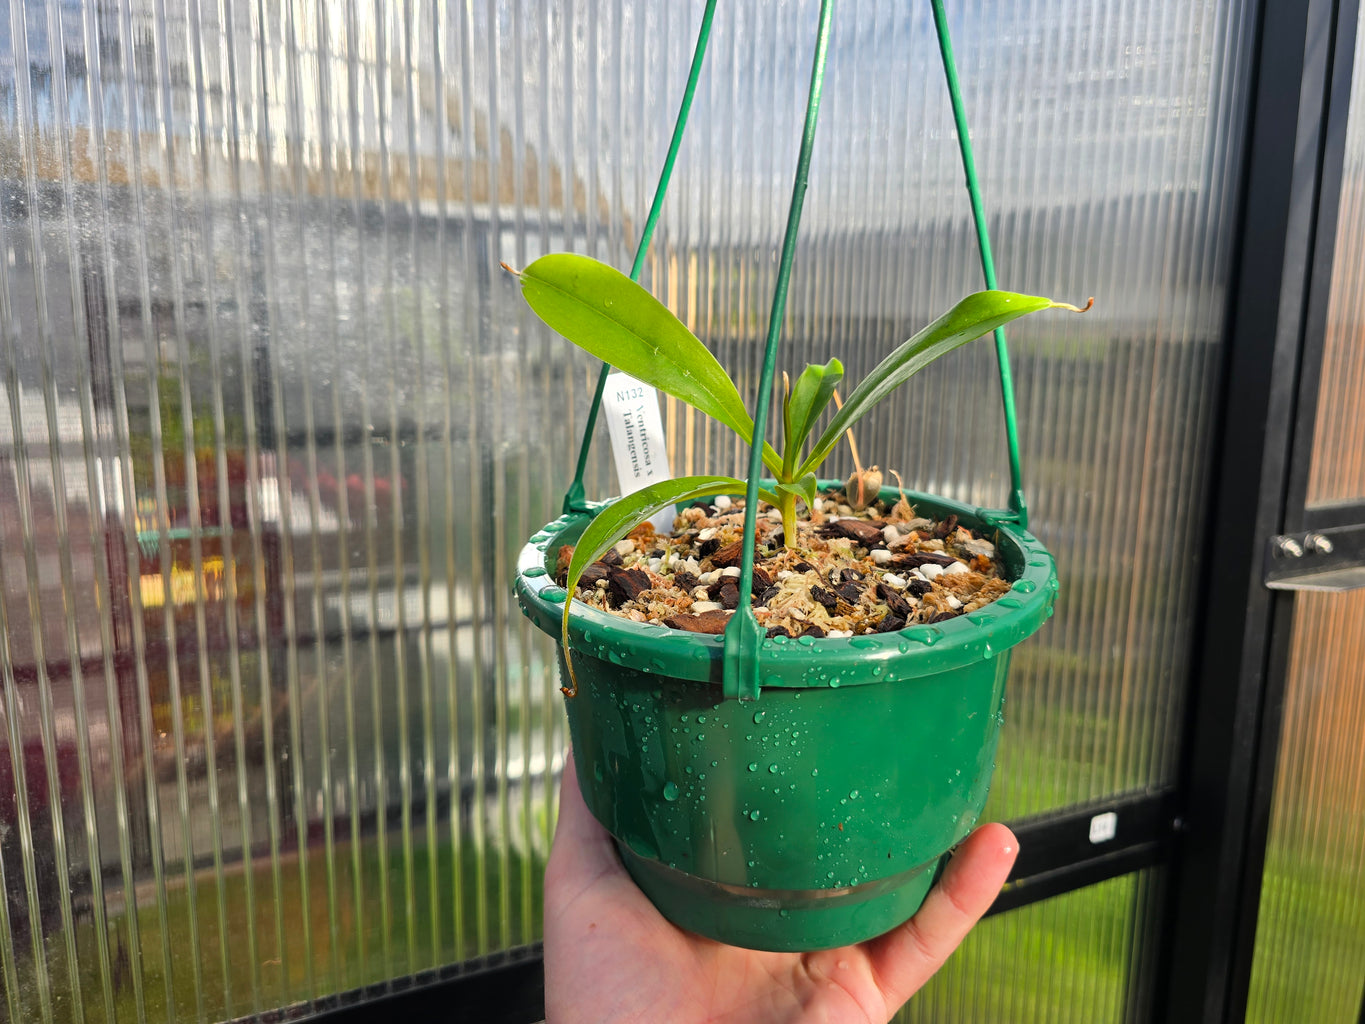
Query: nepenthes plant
[607,314]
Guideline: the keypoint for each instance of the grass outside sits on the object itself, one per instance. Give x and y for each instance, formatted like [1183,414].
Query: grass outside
[1310,942]
[301,945]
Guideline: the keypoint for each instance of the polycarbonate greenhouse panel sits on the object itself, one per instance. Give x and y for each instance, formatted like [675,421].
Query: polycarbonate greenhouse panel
[1309,962]
[274,422]
[1337,465]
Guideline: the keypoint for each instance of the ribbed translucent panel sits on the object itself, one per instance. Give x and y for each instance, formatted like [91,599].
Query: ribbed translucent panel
[1337,467]
[1083,957]
[1310,935]
[274,422]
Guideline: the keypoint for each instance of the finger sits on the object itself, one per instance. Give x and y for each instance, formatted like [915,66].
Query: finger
[904,959]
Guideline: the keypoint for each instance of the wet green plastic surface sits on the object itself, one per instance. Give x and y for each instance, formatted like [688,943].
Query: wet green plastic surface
[817,815]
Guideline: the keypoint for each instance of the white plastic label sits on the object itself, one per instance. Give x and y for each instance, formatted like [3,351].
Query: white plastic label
[637,438]
[1104,827]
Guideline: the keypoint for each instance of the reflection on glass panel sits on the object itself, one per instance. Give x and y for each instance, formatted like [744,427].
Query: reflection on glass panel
[1078,957]
[1310,935]
[274,423]
[1337,467]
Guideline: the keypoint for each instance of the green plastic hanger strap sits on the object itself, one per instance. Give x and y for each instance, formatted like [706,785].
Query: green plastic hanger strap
[575,500]
[743,635]
[1018,508]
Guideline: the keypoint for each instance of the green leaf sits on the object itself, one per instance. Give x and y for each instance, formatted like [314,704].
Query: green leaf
[622,516]
[603,311]
[805,489]
[974,316]
[808,399]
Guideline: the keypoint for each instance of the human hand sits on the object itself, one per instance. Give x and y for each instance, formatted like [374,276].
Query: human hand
[611,957]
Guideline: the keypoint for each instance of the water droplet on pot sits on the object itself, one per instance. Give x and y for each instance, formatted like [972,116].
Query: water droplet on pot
[555,595]
[758,717]
[670,791]
[534,571]
[772,768]
[853,795]
[815,771]
[753,815]
[753,766]
[715,764]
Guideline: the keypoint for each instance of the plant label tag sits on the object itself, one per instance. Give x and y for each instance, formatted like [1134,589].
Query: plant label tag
[637,438]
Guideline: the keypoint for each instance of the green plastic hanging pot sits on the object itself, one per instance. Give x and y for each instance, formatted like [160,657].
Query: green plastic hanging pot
[821,813]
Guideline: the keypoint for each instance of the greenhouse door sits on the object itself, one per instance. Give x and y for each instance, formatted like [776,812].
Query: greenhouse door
[1286,938]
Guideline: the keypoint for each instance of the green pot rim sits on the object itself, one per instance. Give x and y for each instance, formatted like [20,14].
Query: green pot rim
[908,653]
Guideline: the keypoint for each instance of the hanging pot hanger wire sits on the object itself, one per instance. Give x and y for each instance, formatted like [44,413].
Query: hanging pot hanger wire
[743,635]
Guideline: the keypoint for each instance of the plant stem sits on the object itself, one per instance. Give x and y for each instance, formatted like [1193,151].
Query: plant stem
[788,509]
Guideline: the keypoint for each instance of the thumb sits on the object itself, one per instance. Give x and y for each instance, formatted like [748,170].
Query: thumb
[906,957]
[582,851]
